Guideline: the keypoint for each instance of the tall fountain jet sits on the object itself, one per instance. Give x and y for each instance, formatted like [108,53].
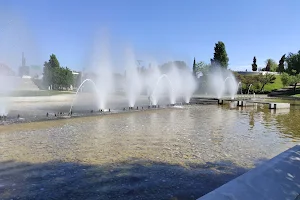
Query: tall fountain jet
[101,66]
[133,80]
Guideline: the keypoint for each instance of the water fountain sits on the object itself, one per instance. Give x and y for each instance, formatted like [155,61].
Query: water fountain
[221,82]
[7,86]
[80,87]
[188,85]
[101,68]
[155,94]
[232,89]
[133,80]
[249,88]
[240,86]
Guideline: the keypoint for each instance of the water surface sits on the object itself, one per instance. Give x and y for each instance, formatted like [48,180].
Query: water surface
[179,153]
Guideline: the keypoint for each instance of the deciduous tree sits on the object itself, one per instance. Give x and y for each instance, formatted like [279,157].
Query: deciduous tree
[293,63]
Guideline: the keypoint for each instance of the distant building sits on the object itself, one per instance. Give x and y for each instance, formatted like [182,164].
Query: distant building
[77,79]
[75,73]
[256,72]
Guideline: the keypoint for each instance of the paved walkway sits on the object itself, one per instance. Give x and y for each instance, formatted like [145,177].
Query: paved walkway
[279,178]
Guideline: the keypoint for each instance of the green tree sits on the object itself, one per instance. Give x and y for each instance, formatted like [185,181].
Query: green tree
[293,63]
[202,67]
[50,70]
[281,64]
[285,79]
[271,65]
[288,79]
[59,77]
[47,74]
[293,69]
[254,65]
[248,80]
[194,67]
[266,79]
[220,55]
[53,61]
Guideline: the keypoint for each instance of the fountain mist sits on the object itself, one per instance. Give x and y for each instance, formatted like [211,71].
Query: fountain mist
[158,88]
[7,86]
[133,80]
[80,87]
[221,82]
[101,68]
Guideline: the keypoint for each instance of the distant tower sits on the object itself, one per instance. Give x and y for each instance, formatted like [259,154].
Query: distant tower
[23,60]
[23,69]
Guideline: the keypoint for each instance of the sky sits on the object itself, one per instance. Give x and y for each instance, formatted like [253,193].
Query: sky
[157,30]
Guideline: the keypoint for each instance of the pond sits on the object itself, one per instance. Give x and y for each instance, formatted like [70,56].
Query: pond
[174,153]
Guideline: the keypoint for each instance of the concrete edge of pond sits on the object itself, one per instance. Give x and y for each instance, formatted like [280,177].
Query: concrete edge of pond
[278,178]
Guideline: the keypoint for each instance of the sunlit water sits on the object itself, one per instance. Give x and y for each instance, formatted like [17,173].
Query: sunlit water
[179,153]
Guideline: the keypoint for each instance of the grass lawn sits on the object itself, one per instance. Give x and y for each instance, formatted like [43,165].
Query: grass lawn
[274,86]
[33,93]
[296,95]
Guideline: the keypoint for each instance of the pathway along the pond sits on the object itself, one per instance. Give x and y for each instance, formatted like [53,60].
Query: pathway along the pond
[276,179]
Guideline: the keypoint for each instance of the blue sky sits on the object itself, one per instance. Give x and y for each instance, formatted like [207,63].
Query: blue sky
[162,30]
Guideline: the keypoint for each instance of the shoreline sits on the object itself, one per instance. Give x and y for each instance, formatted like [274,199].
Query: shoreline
[77,115]
[48,108]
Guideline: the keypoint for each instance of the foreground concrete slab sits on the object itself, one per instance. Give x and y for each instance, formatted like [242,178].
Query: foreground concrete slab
[278,178]
[279,105]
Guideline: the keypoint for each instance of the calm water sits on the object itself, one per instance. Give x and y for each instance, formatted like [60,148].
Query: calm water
[180,153]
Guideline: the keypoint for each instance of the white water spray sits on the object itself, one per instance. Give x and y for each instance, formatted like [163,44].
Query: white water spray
[80,87]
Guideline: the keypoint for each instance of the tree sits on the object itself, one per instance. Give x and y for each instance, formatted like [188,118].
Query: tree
[266,79]
[248,80]
[285,79]
[58,77]
[50,70]
[220,55]
[293,63]
[271,65]
[202,67]
[194,67]
[53,61]
[281,64]
[288,79]
[254,65]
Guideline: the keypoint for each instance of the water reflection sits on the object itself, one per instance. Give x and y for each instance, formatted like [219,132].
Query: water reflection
[289,124]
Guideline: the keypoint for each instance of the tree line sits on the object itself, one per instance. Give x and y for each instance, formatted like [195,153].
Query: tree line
[291,74]
[220,59]
[288,66]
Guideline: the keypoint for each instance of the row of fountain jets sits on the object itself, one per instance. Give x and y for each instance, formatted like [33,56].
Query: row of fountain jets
[175,84]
